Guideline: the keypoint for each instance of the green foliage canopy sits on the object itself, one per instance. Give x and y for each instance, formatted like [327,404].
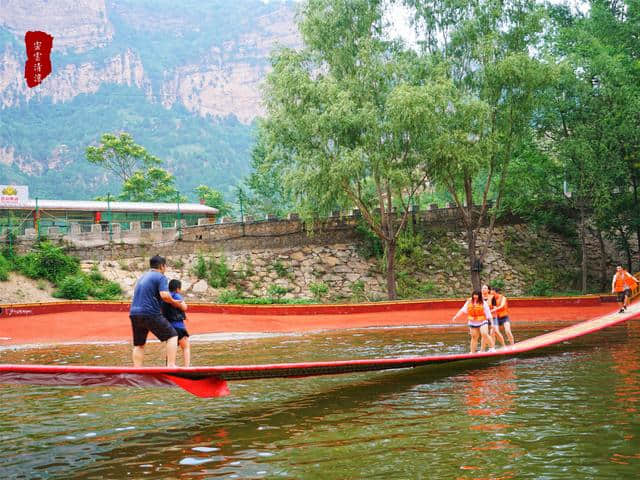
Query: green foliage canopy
[121,156]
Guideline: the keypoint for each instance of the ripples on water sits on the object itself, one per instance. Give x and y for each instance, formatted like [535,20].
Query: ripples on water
[568,413]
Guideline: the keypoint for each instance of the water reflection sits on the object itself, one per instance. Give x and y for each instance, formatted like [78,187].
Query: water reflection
[489,397]
[563,410]
[626,364]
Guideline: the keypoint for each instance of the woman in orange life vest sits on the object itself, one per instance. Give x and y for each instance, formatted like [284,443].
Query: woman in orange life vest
[478,319]
[622,284]
[501,317]
[489,297]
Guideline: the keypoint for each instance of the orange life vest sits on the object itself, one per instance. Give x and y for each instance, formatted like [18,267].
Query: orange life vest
[622,281]
[502,311]
[475,311]
[630,281]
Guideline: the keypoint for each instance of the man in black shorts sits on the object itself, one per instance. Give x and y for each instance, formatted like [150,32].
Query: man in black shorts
[622,284]
[145,313]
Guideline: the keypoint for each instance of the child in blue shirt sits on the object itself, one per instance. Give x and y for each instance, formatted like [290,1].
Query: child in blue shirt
[176,317]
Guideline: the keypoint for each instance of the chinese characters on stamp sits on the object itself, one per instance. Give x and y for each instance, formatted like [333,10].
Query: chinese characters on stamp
[38,64]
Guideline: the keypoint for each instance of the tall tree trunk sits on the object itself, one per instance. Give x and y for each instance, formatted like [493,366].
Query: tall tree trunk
[473,259]
[391,273]
[627,250]
[603,261]
[583,242]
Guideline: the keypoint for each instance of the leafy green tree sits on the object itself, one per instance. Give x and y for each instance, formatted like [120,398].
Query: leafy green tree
[267,193]
[121,156]
[153,185]
[213,198]
[483,50]
[333,131]
[589,122]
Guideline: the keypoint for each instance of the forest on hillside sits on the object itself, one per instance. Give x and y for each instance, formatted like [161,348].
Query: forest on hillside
[50,138]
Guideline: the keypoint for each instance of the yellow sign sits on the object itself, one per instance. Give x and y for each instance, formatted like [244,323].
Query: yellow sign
[14,195]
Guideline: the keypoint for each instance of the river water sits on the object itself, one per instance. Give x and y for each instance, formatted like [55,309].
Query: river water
[569,411]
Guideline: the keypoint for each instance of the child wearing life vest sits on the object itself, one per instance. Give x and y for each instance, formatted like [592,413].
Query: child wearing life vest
[489,297]
[501,316]
[478,320]
[622,284]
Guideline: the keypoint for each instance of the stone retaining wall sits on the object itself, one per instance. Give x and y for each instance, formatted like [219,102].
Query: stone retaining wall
[518,257]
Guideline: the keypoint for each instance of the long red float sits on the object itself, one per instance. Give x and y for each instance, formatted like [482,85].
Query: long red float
[212,381]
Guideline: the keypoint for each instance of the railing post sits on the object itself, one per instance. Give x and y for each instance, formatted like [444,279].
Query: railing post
[36,223]
[179,217]
[109,211]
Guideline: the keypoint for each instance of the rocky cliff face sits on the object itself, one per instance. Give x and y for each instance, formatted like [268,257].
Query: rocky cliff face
[224,81]
[229,83]
[138,66]
[77,25]
[70,80]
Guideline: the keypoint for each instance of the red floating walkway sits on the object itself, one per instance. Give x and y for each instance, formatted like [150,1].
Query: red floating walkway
[211,381]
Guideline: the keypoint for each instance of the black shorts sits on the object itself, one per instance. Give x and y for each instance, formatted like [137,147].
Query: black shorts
[156,324]
[625,293]
[182,332]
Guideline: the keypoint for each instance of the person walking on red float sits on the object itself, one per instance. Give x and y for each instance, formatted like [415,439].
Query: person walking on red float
[478,320]
[622,284]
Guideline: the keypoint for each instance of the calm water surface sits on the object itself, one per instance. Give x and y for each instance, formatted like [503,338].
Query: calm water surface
[568,412]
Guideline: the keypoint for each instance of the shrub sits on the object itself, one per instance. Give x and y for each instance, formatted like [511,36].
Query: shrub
[54,263]
[227,296]
[178,264]
[200,268]
[5,267]
[219,273]
[428,288]
[9,242]
[74,287]
[95,275]
[409,249]
[497,283]
[106,291]
[277,291]
[370,244]
[280,269]
[357,288]
[319,290]
[540,288]
[28,265]
[49,262]
[230,296]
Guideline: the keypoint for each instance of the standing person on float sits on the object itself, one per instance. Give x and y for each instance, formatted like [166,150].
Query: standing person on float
[177,317]
[152,288]
[622,284]
[487,296]
[478,320]
[501,317]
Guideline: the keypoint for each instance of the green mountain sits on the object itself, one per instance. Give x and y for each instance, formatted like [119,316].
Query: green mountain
[183,78]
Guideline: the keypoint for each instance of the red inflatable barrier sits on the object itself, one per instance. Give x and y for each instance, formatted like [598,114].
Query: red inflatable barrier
[211,381]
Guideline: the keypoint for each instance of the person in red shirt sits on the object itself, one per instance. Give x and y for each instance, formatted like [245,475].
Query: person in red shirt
[622,284]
